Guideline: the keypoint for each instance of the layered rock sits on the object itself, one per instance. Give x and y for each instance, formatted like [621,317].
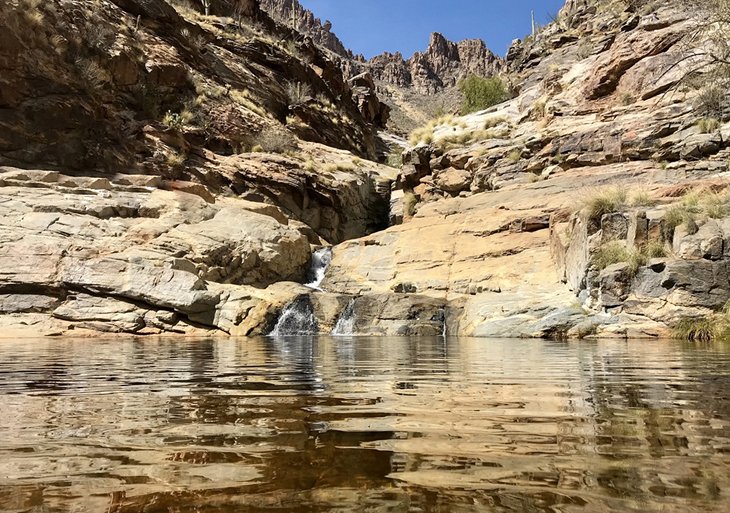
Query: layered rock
[156,175]
[137,254]
[487,209]
[439,67]
[291,12]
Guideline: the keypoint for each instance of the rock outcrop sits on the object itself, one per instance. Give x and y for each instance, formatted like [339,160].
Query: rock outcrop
[175,177]
[170,172]
[291,12]
[439,67]
[492,210]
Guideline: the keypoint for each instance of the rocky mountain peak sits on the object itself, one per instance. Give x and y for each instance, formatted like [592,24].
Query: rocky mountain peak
[291,13]
[440,66]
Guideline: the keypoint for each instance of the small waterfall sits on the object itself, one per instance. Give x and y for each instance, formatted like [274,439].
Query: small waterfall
[345,325]
[296,319]
[320,262]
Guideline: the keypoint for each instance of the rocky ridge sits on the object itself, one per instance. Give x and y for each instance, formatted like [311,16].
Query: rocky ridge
[401,82]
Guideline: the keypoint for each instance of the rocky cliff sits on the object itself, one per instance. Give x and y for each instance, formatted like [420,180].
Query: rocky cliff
[402,82]
[175,175]
[160,168]
[291,13]
[592,204]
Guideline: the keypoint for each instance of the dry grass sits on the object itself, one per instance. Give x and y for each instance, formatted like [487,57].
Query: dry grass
[642,199]
[603,202]
[339,166]
[177,121]
[708,125]
[175,160]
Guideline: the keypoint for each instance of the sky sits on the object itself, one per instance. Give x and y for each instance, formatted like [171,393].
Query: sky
[371,27]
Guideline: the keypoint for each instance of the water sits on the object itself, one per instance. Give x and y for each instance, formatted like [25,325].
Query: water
[383,425]
[345,325]
[320,262]
[296,319]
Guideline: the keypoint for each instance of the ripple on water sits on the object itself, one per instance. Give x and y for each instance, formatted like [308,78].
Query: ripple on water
[363,424]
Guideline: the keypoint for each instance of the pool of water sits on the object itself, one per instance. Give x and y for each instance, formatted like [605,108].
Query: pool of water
[363,424]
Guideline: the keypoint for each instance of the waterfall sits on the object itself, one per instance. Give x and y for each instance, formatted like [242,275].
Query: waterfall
[296,319]
[320,262]
[346,322]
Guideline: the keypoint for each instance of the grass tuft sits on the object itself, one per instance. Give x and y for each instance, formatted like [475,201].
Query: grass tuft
[604,202]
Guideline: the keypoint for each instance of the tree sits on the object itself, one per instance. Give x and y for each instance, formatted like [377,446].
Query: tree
[206,6]
[481,93]
[708,51]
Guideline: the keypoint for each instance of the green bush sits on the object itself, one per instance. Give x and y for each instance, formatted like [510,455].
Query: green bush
[481,93]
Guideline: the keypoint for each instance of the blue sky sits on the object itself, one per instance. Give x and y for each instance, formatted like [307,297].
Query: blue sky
[371,27]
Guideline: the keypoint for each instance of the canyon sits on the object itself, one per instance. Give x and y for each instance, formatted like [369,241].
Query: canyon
[167,172]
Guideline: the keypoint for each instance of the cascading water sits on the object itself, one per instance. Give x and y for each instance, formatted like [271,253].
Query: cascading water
[320,262]
[345,325]
[296,319]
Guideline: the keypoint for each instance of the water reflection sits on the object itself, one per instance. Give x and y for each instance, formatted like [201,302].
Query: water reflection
[363,424]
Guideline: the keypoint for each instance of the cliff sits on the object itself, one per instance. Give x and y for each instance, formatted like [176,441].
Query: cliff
[594,203]
[160,168]
[175,176]
[416,87]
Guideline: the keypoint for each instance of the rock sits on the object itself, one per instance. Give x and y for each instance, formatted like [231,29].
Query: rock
[614,227]
[21,303]
[454,180]
[614,281]
[102,314]
[706,243]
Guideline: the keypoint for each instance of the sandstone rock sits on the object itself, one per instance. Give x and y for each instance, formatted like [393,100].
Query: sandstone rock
[706,243]
[454,180]
[19,303]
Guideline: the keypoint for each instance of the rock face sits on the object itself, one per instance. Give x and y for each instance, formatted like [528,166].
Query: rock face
[438,68]
[401,82]
[492,210]
[166,172]
[291,12]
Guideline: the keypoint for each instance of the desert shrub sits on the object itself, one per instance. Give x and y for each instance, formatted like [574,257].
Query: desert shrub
[613,252]
[604,202]
[175,160]
[515,155]
[705,329]
[642,199]
[654,249]
[298,93]
[339,166]
[538,110]
[481,93]
[177,121]
[276,140]
[493,122]
[675,216]
[409,204]
[627,99]
[715,205]
[395,157]
[712,100]
[708,125]
[701,330]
